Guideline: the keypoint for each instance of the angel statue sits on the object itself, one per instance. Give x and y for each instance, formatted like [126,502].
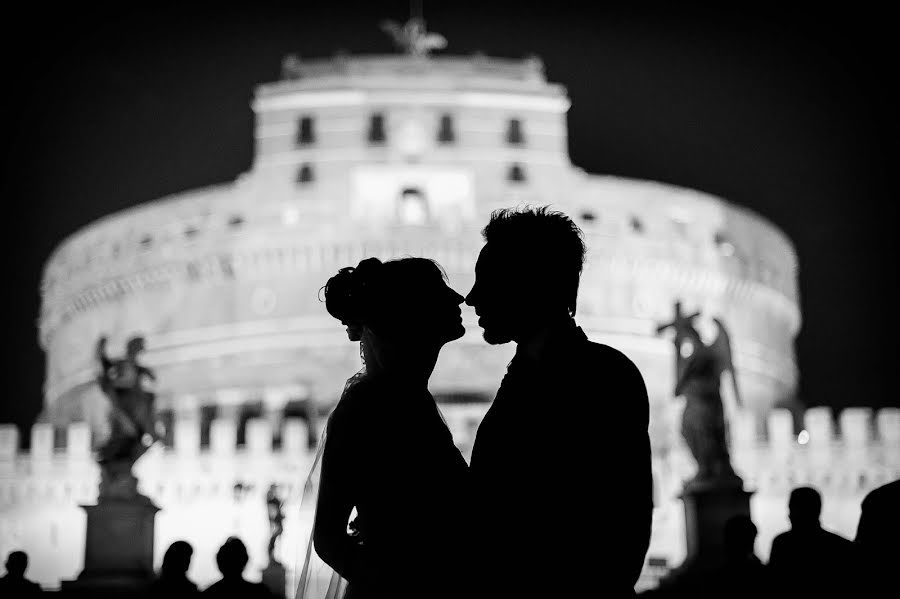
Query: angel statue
[699,369]
[274,507]
[413,38]
[131,416]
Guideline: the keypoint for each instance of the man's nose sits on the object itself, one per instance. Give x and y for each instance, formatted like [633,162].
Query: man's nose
[470,299]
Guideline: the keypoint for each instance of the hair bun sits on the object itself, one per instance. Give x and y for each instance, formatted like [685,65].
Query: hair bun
[346,295]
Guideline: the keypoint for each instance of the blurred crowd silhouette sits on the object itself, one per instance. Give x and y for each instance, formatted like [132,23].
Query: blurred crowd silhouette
[806,560]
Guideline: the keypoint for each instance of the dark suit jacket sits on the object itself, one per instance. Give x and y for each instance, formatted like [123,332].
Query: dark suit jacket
[561,474]
[810,563]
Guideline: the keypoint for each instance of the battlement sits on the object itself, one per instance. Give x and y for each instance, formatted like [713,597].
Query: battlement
[847,455]
[259,438]
[857,432]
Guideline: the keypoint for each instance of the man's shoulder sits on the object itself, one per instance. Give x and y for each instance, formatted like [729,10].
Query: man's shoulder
[883,497]
[607,353]
[610,364]
[836,540]
[783,538]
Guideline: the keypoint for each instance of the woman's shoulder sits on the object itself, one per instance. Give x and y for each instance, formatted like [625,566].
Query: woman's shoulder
[358,402]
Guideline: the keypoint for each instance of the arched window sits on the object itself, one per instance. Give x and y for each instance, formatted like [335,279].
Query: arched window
[376,133]
[446,134]
[306,134]
[514,134]
[305,173]
[413,208]
[516,173]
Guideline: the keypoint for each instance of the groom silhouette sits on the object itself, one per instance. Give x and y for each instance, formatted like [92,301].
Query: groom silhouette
[561,463]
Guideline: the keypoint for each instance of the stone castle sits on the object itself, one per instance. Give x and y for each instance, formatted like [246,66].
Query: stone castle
[388,156]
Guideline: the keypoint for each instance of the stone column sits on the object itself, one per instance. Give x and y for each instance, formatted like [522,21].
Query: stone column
[706,510]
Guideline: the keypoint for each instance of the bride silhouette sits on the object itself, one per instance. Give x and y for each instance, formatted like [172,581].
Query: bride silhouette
[391,493]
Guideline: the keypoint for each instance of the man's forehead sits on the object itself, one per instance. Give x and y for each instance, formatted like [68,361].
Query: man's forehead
[489,257]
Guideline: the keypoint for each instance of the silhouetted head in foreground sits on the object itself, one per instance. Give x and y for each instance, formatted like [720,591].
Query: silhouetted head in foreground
[232,558]
[16,564]
[177,559]
[393,306]
[527,273]
[739,537]
[804,508]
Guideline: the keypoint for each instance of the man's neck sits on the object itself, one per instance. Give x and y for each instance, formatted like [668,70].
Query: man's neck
[534,345]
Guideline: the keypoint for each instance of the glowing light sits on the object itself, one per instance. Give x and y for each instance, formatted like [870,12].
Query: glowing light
[291,216]
[803,437]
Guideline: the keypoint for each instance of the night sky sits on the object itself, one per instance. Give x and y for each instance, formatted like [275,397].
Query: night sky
[789,114]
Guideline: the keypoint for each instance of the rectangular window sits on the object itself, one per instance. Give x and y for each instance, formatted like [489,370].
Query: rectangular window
[207,415]
[516,174]
[376,129]
[446,134]
[305,174]
[306,133]
[514,134]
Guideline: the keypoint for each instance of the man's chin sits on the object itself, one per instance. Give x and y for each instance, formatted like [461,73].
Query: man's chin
[495,337]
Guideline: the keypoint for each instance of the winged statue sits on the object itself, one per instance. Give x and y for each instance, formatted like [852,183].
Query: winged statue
[413,38]
[130,413]
[699,369]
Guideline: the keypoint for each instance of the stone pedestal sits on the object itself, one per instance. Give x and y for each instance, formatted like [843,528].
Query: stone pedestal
[274,577]
[707,507]
[118,553]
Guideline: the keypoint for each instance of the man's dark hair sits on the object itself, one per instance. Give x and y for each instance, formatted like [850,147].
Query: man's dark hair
[177,559]
[805,504]
[17,563]
[739,535]
[232,557]
[549,242]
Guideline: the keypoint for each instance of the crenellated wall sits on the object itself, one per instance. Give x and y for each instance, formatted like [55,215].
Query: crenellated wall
[195,484]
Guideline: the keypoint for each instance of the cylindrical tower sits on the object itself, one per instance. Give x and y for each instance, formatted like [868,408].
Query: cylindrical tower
[391,156]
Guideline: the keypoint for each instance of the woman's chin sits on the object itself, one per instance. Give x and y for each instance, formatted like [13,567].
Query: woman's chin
[456,332]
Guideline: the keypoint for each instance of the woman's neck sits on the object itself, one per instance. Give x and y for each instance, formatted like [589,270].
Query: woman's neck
[414,364]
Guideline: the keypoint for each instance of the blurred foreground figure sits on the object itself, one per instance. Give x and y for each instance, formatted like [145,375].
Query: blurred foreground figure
[808,560]
[231,559]
[172,582]
[564,509]
[741,574]
[878,541]
[14,584]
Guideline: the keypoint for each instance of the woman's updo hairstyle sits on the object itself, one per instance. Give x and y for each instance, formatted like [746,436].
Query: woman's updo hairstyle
[391,298]
[350,294]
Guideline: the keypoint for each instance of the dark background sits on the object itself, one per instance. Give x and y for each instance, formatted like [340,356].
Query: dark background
[789,113]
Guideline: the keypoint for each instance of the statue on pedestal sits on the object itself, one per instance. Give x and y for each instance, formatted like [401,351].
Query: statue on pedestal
[118,544]
[699,369]
[274,575]
[274,506]
[131,418]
